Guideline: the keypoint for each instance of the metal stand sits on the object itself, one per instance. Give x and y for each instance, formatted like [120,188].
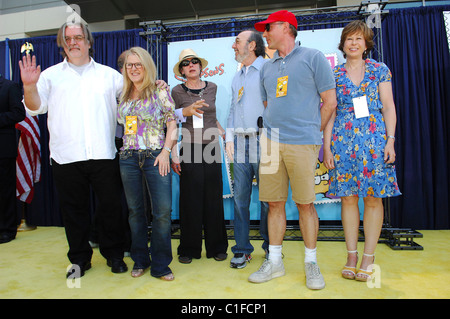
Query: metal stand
[23,225]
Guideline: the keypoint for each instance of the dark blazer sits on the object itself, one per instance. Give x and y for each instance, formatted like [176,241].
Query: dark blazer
[12,111]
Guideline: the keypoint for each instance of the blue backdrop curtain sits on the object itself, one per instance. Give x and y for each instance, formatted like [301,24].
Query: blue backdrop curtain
[3,59]
[416,51]
[44,208]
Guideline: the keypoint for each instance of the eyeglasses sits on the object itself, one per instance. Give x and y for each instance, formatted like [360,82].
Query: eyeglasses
[136,65]
[187,62]
[267,27]
[77,38]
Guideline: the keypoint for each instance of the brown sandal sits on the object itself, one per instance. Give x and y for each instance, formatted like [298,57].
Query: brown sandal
[350,272]
[365,274]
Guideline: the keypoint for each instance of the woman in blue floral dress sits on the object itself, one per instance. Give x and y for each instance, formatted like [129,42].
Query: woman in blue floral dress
[359,144]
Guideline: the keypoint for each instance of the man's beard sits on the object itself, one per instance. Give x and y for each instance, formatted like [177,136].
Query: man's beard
[241,57]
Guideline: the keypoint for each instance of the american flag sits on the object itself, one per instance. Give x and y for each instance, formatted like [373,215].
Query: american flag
[28,162]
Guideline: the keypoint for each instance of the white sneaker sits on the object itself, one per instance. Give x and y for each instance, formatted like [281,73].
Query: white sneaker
[314,279]
[267,271]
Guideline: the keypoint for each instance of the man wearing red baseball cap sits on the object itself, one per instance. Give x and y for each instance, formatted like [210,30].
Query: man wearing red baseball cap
[293,85]
[279,16]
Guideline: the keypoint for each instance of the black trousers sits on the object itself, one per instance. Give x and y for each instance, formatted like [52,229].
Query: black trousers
[94,233]
[73,183]
[201,206]
[9,218]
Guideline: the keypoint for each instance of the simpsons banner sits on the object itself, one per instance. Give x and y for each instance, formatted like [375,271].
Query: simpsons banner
[220,70]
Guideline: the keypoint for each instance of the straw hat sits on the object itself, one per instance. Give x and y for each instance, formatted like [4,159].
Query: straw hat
[188,54]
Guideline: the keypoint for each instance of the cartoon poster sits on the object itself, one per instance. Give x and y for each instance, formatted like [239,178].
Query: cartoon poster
[220,70]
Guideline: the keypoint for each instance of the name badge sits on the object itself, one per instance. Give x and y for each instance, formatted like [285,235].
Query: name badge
[130,125]
[360,107]
[240,93]
[197,122]
[282,86]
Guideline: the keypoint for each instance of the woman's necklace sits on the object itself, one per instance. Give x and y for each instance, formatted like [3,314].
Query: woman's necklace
[356,79]
[196,91]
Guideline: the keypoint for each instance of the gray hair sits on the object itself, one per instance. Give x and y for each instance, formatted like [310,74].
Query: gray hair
[61,37]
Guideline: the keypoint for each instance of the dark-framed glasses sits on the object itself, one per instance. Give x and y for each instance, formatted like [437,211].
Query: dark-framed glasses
[77,38]
[187,62]
[137,65]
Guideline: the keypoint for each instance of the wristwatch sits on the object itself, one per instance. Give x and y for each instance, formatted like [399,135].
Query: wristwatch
[390,136]
[167,149]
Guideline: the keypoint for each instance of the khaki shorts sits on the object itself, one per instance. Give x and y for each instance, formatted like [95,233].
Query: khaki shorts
[282,164]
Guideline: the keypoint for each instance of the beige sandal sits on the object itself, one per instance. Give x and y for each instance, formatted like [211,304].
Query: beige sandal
[350,272]
[137,272]
[168,277]
[364,274]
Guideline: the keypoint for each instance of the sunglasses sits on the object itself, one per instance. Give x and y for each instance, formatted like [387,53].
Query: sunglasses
[187,62]
[267,27]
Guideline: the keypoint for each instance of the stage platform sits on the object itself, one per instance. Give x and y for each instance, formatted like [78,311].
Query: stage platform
[33,266]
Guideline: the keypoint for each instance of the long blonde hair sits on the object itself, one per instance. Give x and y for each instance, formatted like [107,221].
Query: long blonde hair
[148,85]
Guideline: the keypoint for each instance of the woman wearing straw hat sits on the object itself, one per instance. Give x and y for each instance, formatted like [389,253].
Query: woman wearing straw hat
[199,164]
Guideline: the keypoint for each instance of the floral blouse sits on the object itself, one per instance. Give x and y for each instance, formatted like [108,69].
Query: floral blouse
[149,118]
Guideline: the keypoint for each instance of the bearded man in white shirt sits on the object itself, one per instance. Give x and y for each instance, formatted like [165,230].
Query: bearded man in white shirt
[79,96]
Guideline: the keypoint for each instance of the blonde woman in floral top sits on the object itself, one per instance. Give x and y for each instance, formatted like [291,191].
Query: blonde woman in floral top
[145,111]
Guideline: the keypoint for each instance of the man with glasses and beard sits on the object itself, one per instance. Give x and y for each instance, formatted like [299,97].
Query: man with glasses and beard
[242,141]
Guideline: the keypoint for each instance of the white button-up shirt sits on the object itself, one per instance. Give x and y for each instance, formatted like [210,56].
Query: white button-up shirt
[82,111]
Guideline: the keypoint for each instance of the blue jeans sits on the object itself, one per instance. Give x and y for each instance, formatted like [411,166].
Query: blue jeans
[243,171]
[134,165]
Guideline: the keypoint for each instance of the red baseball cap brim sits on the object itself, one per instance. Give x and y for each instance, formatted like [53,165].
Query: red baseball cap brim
[282,16]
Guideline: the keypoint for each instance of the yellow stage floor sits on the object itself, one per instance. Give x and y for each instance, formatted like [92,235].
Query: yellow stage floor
[33,266]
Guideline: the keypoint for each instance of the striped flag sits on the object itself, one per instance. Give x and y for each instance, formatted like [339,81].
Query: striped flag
[28,162]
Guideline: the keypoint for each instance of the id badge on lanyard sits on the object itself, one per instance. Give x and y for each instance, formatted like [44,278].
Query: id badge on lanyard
[360,106]
[130,125]
[197,122]
[282,83]
[240,94]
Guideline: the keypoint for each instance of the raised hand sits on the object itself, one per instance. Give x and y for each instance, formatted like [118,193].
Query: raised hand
[29,72]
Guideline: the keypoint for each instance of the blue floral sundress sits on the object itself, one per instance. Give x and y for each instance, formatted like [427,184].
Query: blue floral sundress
[358,144]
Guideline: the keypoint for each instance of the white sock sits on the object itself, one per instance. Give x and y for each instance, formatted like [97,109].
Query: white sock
[275,253]
[310,255]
